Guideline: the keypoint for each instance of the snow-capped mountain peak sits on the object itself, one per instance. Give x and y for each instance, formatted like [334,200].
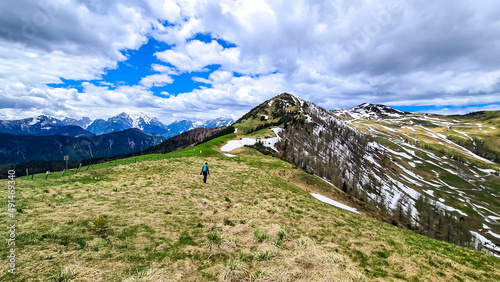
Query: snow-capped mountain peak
[218,122]
[368,111]
[137,121]
[134,120]
[33,121]
[45,125]
[40,125]
[83,122]
[151,124]
[198,123]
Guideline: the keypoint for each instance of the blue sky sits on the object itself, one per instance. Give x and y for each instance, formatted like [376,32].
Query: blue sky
[205,59]
[449,109]
[138,65]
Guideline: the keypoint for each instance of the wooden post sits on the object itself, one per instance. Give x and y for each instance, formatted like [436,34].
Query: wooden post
[32,176]
[47,174]
[27,174]
[66,158]
[80,166]
[64,170]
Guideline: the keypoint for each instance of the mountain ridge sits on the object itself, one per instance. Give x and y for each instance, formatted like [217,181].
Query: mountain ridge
[369,111]
[43,125]
[393,171]
[152,125]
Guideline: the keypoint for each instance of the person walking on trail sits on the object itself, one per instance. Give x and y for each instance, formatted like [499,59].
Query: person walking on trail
[205,171]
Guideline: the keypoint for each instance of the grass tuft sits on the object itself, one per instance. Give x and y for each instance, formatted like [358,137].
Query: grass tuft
[100,224]
[214,238]
[234,270]
[261,236]
[267,255]
[66,274]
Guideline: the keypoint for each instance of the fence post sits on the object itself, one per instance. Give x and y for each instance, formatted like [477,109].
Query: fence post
[27,174]
[88,166]
[78,170]
[64,170]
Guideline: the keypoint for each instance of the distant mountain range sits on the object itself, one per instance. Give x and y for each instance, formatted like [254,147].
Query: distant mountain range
[45,125]
[85,127]
[151,125]
[46,138]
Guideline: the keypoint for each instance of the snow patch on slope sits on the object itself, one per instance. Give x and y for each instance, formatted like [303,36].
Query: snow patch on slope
[234,144]
[334,203]
[268,142]
[494,234]
[481,240]
[430,192]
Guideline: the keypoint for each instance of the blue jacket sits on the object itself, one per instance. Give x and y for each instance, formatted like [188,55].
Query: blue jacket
[205,169]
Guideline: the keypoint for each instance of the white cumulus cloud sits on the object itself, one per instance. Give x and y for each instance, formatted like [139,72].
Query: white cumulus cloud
[336,53]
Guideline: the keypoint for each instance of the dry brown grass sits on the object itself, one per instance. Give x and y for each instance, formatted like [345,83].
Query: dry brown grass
[305,260]
[152,206]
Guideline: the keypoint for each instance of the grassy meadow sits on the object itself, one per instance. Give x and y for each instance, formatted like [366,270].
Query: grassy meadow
[254,221]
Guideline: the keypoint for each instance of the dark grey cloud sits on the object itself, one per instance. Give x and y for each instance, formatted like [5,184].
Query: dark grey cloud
[17,103]
[434,41]
[387,48]
[81,27]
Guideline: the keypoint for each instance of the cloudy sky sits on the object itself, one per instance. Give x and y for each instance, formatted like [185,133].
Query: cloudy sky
[177,59]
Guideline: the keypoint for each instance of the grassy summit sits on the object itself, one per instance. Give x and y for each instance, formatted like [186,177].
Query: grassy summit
[254,220]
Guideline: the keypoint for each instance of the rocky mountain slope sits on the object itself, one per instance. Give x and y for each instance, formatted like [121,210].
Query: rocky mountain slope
[369,111]
[46,125]
[402,163]
[151,125]
[125,121]
[181,141]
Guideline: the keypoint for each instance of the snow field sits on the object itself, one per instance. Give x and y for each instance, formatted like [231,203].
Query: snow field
[334,203]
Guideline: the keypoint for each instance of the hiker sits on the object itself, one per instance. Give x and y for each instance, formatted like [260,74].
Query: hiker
[205,172]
